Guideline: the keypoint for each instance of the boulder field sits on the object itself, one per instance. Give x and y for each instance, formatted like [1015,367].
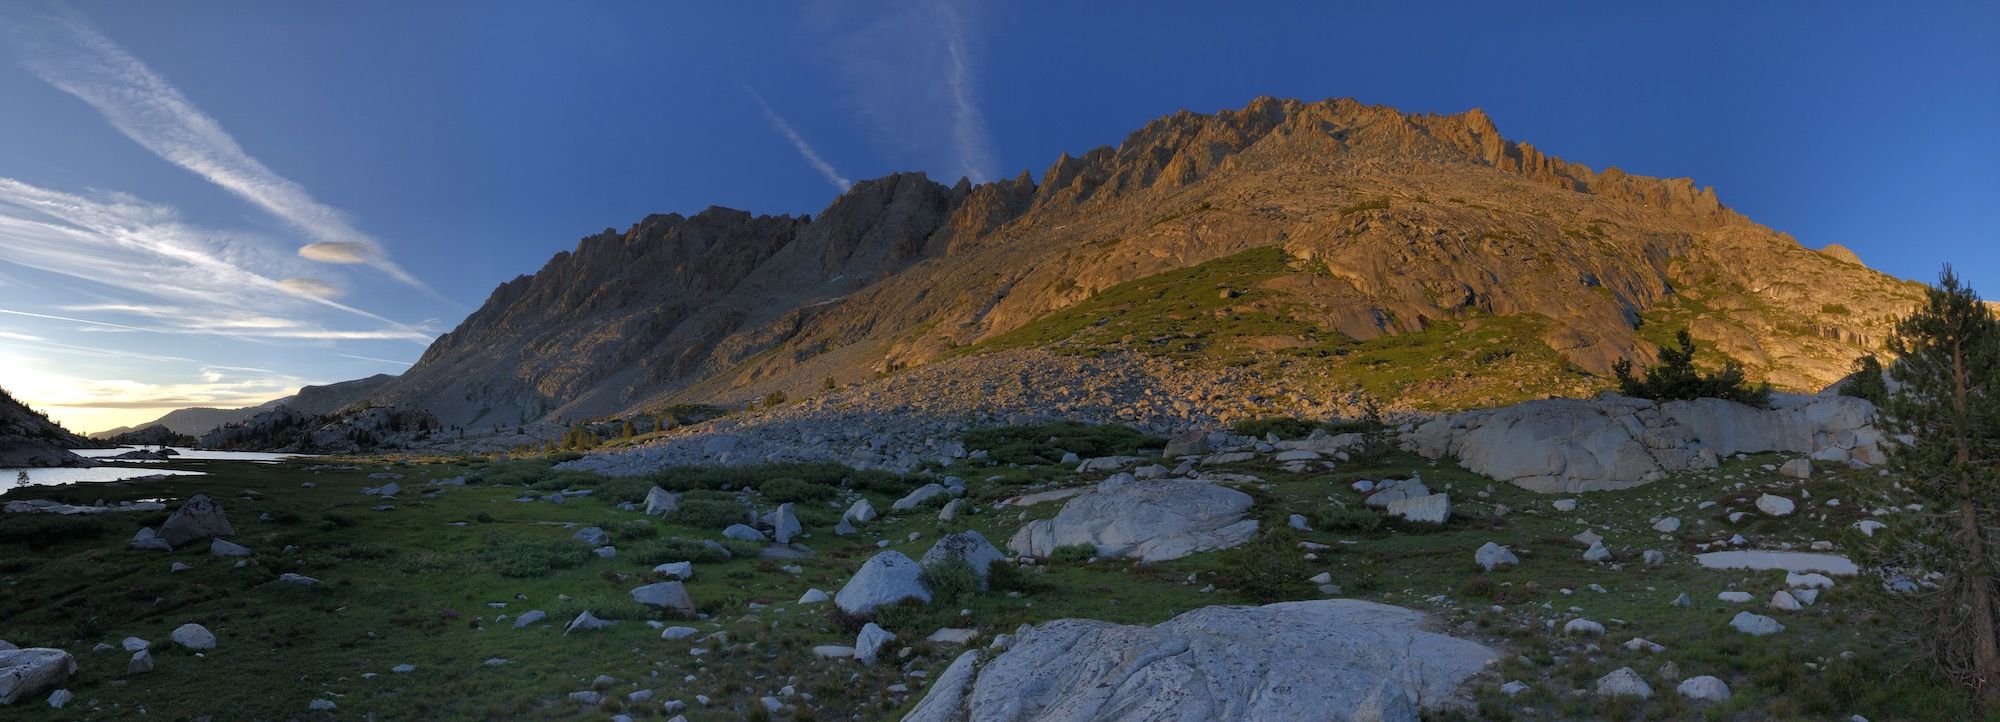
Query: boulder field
[1615,442]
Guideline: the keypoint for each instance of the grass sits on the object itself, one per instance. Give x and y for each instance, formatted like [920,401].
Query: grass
[1047,443]
[409,586]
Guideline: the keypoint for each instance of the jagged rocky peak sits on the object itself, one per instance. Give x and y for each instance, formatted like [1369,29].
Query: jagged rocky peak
[1387,222]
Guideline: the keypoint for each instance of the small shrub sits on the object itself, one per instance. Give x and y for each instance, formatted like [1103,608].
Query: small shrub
[950,580]
[1073,552]
[1335,518]
[516,557]
[483,518]
[331,520]
[787,489]
[674,549]
[708,513]
[41,531]
[634,530]
[285,517]
[1866,382]
[1284,427]
[1003,576]
[1045,443]
[1675,378]
[775,398]
[1267,569]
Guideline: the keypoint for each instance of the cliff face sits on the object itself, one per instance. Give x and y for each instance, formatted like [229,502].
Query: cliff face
[1384,225]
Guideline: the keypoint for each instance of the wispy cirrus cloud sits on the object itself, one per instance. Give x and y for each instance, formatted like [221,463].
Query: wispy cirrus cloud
[903,66]
[805,149]
[181,278]
[66,52]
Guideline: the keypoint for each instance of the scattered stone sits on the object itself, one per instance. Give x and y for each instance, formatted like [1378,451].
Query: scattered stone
[673,633]
[676,570]
[1783,601]
[142,662]
[1564,504]
[659,502]
[1668,525]
[586,622]
[299,579]
[922,494]
[321,705]
[193,636]
[148,540]
[813,596]
[199,518]
[592,535]
[226,548]
[669,595]
[1654,557]
[1755,625]
[404,668]
[1735,597]
[1427,509]
[887,578]
[1775,505]
[135,644]
[1623,682]
[1705,688]
[1797,469]
[1492,556]
[531,617]
[1597,553]
[1514,688]
[743,532]
[1580,626]
[967,545]
[868,644]
[785,524]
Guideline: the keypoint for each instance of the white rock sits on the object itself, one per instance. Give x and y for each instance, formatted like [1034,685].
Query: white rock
[1735,597]
[193,636]
[1641,644]
[1623,682]
[1389,666]
[860,513]
[1783,601]
[1151,520]
[969,546]
[668,595]
[1492,556]
[673,633]
[25,673]
[813,596]
[660,501]
[868,644]
[1868,527]
[1428,509]
[1514,688]
[1775,505]
[1597,553]
[1581,626]
[675,570]
[922,494]
[1797,469]
[887,578]
[1756,625]
[530,618]
[1705,688]
[1668,525]
[743,532]
[1815,581]
[299,579]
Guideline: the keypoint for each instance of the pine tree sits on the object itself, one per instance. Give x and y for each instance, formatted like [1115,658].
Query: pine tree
[1948,367]
[1866,381]
[1675,378]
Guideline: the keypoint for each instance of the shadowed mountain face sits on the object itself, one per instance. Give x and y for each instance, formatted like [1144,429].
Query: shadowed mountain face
[27,438]
[1420,260]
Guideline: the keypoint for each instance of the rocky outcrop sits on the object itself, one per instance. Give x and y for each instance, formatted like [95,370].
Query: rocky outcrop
[25,673]
[199,518]
[1336,659]
[1147,520]
[1614,442]
[28,438]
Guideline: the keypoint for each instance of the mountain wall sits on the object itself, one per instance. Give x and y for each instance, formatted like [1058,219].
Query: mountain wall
[1415,260]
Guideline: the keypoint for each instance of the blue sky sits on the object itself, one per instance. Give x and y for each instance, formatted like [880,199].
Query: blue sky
[210,203]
